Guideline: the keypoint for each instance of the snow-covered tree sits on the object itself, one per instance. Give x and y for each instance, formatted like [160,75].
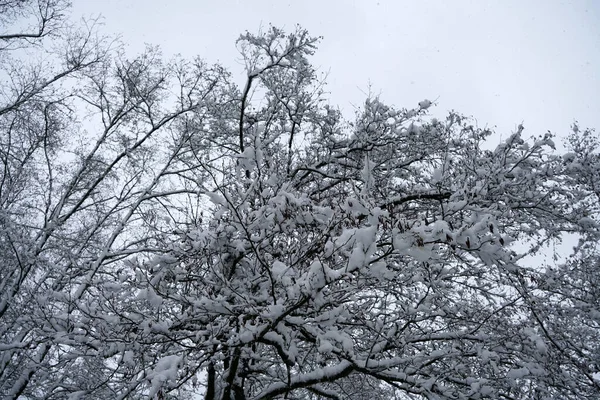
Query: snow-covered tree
[92,145]
[164,232]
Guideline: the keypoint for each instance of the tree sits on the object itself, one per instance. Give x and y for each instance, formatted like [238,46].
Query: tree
[249,243]
[91,147]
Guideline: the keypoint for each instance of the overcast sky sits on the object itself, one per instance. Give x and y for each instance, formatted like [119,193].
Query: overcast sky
[502,62]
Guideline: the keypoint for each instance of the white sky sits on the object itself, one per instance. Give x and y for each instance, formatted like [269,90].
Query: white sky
[503,62]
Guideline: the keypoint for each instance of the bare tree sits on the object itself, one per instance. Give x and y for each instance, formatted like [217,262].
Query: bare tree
[92,147]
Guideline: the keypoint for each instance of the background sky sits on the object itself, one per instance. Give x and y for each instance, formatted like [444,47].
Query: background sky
[503,62]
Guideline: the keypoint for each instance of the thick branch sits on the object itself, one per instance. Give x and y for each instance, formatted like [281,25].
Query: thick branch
[327,374]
